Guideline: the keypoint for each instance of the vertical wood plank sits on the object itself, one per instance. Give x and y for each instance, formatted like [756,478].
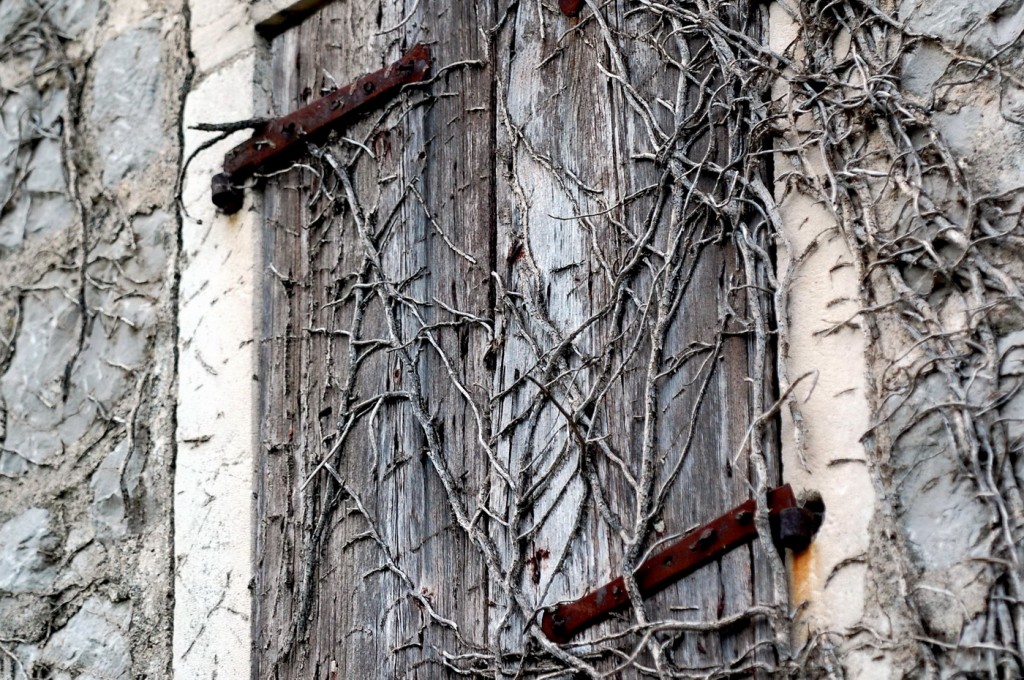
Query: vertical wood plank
[369,547]
[578,206]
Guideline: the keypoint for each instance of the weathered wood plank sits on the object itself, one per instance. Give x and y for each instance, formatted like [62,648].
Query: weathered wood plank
[571,138]
[370,543]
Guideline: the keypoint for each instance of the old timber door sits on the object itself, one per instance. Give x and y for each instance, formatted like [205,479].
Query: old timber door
[516,331]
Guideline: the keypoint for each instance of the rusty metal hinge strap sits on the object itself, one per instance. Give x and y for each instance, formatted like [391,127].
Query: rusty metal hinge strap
[283,139]
[792,524]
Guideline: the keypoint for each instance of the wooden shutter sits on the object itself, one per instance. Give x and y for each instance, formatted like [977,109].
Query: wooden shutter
[454,278]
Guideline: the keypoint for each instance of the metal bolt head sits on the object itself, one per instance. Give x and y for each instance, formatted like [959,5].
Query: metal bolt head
[225,194]
[706,538]
[797,526]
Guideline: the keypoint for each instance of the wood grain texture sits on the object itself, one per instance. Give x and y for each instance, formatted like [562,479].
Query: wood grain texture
[501,280]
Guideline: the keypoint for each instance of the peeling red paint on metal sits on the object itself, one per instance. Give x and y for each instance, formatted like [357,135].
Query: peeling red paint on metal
[282,140]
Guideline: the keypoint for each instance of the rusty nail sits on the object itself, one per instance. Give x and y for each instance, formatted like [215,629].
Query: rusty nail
[570,8]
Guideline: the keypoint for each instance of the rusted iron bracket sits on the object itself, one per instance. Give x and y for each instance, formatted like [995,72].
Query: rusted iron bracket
[284,139]
[793,526]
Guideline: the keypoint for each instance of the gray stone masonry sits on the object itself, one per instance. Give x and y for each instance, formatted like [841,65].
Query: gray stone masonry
[90,105]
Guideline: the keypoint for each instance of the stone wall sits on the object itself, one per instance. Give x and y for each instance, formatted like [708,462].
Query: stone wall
[947,356]
[90,105]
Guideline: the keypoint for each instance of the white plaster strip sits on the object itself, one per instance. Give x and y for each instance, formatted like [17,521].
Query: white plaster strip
[217,395]
[832,402]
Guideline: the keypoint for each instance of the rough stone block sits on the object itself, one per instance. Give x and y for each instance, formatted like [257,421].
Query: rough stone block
[27,553]
[32,389]
[113,478]
[127,112]
[72,17]
[93,645]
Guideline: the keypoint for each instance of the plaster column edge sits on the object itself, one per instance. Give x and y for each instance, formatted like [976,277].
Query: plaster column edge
[824,356]
[218,396]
